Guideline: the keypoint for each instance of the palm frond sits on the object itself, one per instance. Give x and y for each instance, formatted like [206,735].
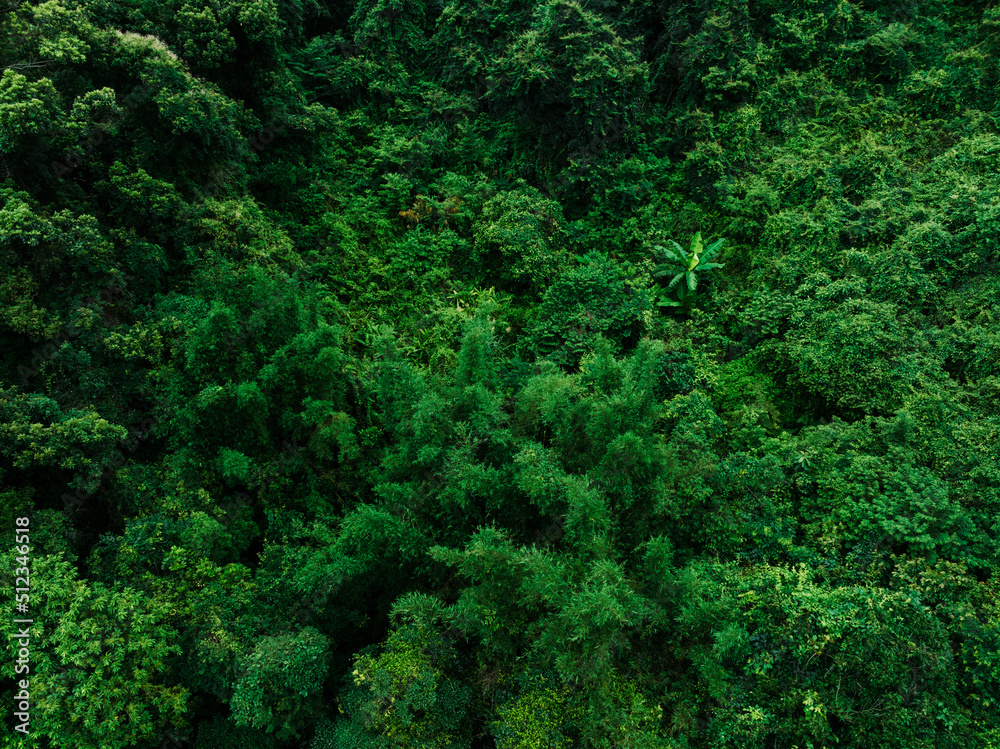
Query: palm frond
[696,243]
[714,246]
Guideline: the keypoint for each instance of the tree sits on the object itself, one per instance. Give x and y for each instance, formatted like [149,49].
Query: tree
[685,266]
[600,296]
[277,680]
[404,694]
[572,80]
[529,231]
[100,664]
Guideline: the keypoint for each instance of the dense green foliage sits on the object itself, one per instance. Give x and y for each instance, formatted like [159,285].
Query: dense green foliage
[368,382]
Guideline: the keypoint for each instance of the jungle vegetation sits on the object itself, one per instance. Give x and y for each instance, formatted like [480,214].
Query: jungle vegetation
[485,373]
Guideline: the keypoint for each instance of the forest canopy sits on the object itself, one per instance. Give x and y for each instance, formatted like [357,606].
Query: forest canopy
[482,373]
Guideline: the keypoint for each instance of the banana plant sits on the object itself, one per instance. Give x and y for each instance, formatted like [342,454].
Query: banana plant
[685,267]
